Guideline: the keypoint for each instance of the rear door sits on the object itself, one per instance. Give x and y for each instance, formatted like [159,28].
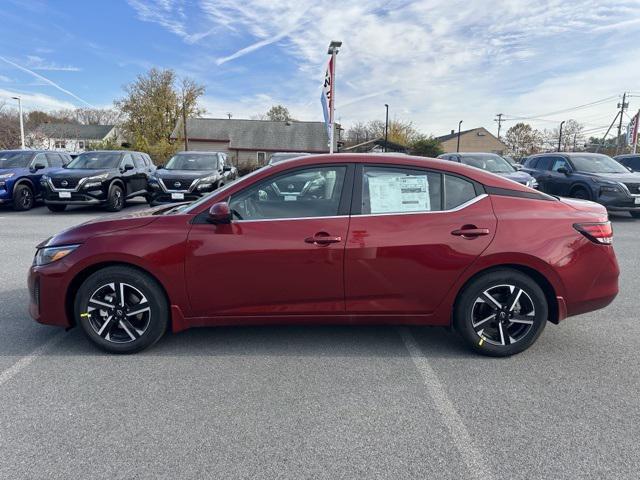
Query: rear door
[412,233]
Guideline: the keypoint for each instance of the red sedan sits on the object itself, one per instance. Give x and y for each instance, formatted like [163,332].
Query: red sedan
[352,239]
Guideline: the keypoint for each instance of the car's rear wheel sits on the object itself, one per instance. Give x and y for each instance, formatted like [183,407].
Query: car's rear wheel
[580,193]
[500,313]
[23,198]
[121,309]
[54,207]
[115,199]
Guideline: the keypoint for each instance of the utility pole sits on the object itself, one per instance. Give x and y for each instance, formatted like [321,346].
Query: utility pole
[621,106]
[560,136]
[21,121]
[458,146]
[386,126]
[499,120]
[604,139]
[333,51]
[184,127]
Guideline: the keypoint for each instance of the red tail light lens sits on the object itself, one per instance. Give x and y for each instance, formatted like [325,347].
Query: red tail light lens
[601,232]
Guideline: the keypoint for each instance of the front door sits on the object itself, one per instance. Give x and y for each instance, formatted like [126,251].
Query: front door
[416,232]
[282,254]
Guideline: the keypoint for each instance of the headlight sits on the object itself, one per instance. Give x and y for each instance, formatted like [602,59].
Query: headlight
[608,185]
[95,181]
[52,254]
[206,182]
[6,175]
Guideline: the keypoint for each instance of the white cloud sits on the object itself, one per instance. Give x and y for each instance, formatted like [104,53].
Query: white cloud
[435,61]
[35,62]
[4,78]
[32,101]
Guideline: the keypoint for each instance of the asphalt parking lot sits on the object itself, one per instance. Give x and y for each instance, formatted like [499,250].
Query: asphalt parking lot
[330,402]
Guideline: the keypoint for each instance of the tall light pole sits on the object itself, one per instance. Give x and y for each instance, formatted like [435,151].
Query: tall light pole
[21,121]
[458,146]
[333,51]
[560,136]
[386,126]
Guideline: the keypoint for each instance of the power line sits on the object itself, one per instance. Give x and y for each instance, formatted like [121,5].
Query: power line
[578,107]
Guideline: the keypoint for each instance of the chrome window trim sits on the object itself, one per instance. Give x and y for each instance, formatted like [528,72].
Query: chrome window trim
[456,209]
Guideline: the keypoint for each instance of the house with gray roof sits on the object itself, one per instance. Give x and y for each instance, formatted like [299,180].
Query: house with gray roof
[70,137]
[251,142]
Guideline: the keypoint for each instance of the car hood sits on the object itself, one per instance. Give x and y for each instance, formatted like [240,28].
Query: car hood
[631,177]
[78,172]
[15,171]
[101,226]
[520,177]
[183,174]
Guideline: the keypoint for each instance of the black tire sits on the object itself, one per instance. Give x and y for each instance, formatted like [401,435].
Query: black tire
[509,331]
[115,199]
[580,193]
[56,207]
[125,332]
[23,198]
[635,214]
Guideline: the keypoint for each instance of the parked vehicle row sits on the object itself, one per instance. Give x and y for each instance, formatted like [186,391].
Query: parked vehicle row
[493,163]
[107,178]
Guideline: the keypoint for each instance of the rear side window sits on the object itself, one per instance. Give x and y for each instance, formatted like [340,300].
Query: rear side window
[457,191]
[400,190]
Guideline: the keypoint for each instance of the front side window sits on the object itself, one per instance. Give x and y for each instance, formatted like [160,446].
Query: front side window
[127,160]
[40,159]
[311,192]
[559,163]
[400,190]
[54,160]
[139,161]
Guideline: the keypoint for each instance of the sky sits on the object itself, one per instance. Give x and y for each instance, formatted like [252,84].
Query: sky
[434,62]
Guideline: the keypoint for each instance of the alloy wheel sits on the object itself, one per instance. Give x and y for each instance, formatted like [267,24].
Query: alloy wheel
[118,199]
[26,198]
[118,312]
[503,315]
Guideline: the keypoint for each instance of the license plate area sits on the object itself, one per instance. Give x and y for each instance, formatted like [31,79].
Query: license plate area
[177,196]
[637,200]
[64,194]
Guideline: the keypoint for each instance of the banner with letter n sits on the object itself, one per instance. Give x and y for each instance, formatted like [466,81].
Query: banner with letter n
[325,97]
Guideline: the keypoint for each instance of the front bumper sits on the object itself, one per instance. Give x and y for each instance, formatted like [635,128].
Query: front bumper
[47,291]
[92,197]
[619,202]
[162,198]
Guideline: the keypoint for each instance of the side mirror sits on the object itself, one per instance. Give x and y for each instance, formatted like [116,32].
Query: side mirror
[220,214]
[226,168]
[38,166]
[159,167]
[127,167]
[563,170]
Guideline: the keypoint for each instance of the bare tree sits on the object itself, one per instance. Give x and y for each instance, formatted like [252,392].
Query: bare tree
[522,139]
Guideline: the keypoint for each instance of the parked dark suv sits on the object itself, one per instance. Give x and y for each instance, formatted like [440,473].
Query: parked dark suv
[106,178]
[493,163]
[631,160]
[189,175]
[20,173]
[589,176]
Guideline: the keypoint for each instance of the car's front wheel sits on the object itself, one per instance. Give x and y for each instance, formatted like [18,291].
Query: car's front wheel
[23,198]
[501,312]
[122,309]
[115,199]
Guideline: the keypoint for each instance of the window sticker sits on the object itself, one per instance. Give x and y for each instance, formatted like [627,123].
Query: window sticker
[406,193]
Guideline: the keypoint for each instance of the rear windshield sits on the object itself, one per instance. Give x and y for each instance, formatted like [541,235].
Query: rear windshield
[90,160]
[596,163]
[15,159]
[185,161]
[489,162]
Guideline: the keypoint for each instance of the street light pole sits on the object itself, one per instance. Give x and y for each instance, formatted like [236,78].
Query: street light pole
[333,51]
[21,121]
[386,126]
[560,136]
[458,146]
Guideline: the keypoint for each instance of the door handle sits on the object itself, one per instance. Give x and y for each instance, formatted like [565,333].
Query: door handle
[323,239]
[470,232]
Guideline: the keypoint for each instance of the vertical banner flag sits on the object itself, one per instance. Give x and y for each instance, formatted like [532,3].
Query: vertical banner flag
[632,130]
[325,97]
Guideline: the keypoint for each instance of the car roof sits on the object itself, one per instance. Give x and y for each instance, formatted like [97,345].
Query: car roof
[199,152]
[481,176]
[30,150]
[628,155]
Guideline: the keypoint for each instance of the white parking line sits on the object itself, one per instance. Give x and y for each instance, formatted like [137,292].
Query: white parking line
[472,458]
[13,370]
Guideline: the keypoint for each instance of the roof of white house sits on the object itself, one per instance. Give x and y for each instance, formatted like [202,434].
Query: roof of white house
[74,131]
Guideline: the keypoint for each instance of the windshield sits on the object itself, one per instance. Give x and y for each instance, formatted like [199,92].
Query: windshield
[186,161]
[490,162]
[596,163]
[91,160]
[15,159]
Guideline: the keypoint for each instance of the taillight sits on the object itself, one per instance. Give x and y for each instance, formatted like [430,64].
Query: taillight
[600,232]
